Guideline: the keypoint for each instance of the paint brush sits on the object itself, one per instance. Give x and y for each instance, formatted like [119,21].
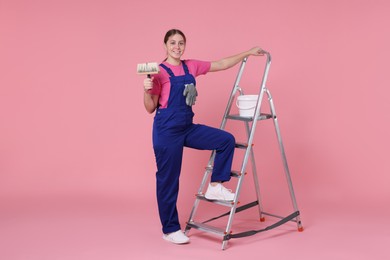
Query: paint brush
[148,68]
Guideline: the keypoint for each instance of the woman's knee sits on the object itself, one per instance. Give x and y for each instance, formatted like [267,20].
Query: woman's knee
[229,139]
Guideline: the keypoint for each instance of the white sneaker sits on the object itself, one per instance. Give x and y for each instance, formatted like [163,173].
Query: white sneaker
[177,237]
[219,192]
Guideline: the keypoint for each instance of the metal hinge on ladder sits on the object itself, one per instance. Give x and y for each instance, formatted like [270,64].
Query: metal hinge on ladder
[250,125]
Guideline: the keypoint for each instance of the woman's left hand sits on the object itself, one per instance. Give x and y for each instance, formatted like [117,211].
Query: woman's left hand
[256,51]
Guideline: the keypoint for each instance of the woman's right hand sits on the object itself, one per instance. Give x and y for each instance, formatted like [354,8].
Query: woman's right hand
[148,84]
[150,100]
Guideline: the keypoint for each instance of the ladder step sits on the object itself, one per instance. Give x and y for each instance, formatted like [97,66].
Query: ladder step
[235,174]
[219,202]
[206,228]
[242,145]
[263,116]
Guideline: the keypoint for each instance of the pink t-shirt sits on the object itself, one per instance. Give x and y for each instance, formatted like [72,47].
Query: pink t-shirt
[162,85]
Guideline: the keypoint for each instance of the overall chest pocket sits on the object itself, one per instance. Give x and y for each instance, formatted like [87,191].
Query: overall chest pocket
[167,120]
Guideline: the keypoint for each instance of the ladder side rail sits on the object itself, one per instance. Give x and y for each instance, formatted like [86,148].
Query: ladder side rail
[238,190]
[260,99]
[249,148]
[192,214]
[209,168]
[250,141]
[235,201]
[257,111]
[283,155]
[255,176]
[233,93]
[202,185]
[232,212]
[254,121]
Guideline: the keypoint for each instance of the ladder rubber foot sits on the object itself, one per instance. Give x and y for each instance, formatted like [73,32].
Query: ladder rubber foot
[300,229]
[262,219]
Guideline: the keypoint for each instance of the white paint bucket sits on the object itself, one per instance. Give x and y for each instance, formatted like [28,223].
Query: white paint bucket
[246,105]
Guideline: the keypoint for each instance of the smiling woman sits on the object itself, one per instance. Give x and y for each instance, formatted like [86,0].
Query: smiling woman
[171,93]
[76,164]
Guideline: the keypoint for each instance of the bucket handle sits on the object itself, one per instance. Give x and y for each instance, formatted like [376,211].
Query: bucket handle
[243,107]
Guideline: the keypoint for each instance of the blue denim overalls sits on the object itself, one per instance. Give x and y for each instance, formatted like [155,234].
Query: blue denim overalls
[172,130]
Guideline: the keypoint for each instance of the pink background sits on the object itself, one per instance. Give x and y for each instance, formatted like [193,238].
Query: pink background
[76,160]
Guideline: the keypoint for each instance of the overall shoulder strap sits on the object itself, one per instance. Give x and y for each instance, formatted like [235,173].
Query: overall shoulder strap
[168,70]
[185,67]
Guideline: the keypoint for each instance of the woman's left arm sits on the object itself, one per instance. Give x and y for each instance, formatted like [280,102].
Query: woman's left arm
[229,62]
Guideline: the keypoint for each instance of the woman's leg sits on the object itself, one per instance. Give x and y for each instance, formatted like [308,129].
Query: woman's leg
[169,159]
[208,138]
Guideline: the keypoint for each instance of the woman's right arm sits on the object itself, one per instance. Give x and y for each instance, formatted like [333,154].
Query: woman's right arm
[150,101]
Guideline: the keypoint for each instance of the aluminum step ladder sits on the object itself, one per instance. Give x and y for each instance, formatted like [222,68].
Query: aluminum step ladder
[250,125]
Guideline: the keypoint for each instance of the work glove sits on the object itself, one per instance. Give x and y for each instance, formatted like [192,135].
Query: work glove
[190,93]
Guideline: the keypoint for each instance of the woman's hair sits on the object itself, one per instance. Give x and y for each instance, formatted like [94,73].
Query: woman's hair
[173,32]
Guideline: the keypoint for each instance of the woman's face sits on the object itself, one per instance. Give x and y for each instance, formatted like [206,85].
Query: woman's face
[175,47]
